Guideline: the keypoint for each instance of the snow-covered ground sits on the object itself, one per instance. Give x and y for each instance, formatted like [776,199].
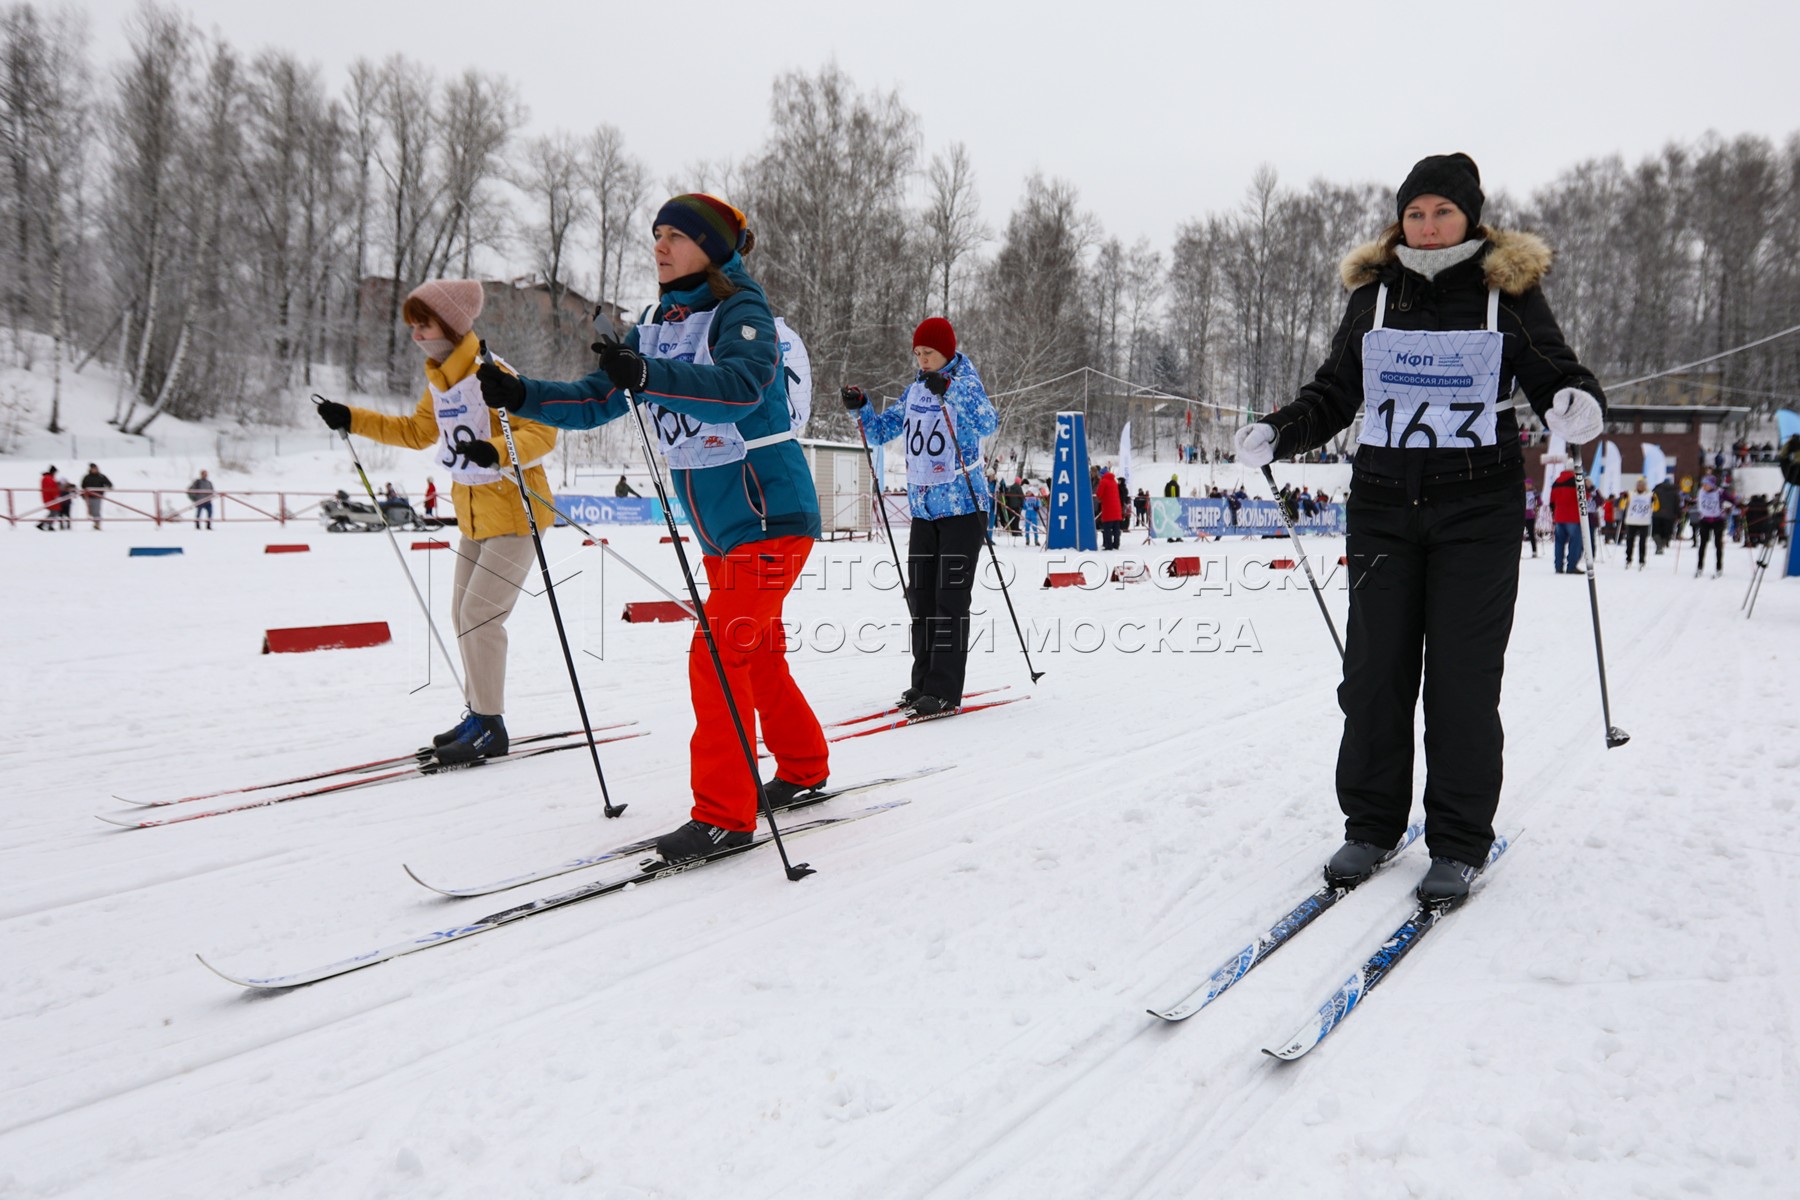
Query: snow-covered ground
[954,1005]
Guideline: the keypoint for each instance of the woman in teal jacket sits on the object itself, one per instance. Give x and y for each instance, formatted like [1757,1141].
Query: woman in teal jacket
[706,365]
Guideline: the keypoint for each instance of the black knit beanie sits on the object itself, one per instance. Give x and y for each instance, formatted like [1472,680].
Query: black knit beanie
[1455,177]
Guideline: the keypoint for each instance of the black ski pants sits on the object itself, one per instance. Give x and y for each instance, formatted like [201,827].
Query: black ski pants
[1432,586]
[1715,530]
[1641,535]
[942,557]
[1661,529]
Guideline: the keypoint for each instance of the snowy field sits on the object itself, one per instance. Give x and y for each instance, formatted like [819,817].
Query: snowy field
[954,1005]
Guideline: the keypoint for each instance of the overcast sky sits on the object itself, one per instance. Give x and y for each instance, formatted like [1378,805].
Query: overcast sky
[1156,112]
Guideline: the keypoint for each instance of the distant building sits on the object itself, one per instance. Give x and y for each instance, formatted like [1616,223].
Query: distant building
[507,297]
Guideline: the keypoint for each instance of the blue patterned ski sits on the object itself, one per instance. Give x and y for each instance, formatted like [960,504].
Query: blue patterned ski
[1375,968]
[1269,941]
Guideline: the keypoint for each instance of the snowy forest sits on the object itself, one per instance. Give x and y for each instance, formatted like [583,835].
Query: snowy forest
[225,227]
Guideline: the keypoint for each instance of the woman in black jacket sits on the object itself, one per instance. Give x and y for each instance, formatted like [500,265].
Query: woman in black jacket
[1445,317]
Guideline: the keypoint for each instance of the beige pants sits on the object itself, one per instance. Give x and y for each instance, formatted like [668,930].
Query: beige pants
[488,574]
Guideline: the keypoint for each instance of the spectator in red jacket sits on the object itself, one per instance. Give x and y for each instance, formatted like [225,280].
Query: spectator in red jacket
[50,490]
[1112,516]
[1565,509]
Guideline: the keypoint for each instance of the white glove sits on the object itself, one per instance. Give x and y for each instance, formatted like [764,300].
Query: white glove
[1575,416]
[1254,445]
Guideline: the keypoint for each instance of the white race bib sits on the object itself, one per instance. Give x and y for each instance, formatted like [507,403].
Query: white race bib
[930,446]
[689,443]
[1637,509]
[1428,390]
[462,419]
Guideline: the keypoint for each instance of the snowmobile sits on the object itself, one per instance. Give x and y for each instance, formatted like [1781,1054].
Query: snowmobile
[341,514]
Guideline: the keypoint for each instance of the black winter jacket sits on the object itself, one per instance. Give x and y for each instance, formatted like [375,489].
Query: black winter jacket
[1534,356]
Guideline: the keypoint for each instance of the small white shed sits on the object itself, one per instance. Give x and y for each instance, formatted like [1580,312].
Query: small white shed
[840,472]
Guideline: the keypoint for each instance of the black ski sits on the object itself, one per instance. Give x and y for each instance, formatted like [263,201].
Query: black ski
[805,800]
[648,872]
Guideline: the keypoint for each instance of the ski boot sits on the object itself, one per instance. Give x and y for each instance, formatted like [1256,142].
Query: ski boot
[439,740]
[780,793]
[483,737]
[1446,883]
[697,839]
[1354,862]
[908,698]
[927,707]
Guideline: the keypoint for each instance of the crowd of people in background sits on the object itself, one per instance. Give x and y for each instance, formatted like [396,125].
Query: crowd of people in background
[58,495]
[1646,516]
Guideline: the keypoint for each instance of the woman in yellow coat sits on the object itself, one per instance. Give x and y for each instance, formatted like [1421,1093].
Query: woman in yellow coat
[495,550]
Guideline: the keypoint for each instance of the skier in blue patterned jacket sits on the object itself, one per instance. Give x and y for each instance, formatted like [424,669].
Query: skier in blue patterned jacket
[943,416]
[706,365]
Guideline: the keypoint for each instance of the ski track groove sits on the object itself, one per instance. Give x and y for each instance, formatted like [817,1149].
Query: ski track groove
[169,877]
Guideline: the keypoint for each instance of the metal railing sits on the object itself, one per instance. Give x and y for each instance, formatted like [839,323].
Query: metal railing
[148,506]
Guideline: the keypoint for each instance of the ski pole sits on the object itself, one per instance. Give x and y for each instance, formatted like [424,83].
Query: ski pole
[1615,737]
[401,558]
[795,871]
[1288,524]
[987,535]
[606,548]
[881,507]
[537,543]
[1762,559]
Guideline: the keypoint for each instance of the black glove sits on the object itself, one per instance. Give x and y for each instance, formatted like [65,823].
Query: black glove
[854,398]
[500,388]
[623,365]
[336,416]
[936,384]
[480,454]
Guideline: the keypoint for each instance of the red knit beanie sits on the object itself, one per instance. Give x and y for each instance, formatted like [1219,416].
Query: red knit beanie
[936,333]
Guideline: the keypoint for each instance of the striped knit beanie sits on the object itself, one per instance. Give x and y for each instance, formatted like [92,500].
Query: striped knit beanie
[714,225]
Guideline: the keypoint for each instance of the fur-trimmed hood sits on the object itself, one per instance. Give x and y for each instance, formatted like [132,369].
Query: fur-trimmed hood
[1515,263]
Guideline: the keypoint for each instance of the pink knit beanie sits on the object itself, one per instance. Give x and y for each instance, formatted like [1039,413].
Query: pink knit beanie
[456,303]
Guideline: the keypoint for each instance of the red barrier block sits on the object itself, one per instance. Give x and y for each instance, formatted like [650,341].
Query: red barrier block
[1064,579]
[656,610]
[293,549]
[600,542]
[431,545]
[303,638]
[1186,565]
[667,539]
[1283,564]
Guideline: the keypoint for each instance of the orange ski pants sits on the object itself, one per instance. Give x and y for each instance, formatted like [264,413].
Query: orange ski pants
[748,586]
